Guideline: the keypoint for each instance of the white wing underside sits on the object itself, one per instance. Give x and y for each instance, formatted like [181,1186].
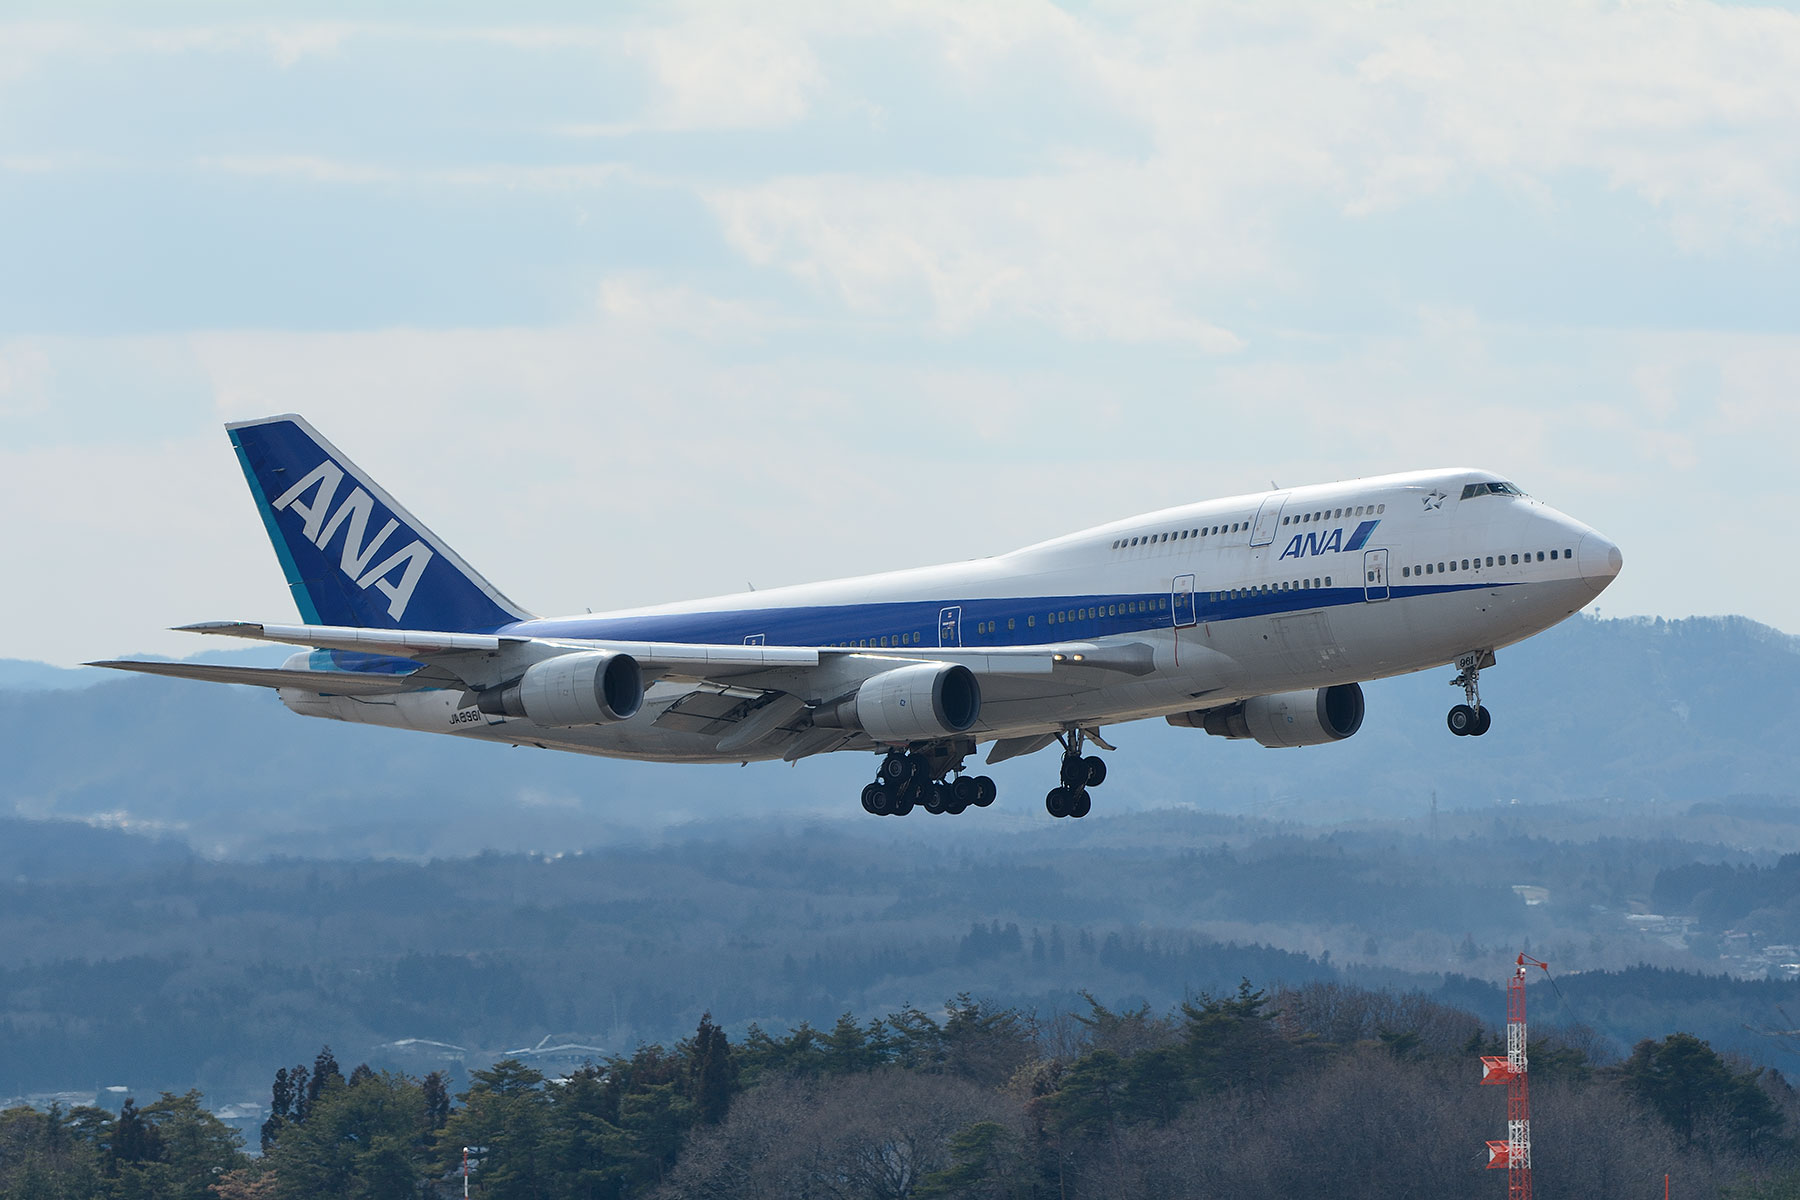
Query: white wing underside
[745,695]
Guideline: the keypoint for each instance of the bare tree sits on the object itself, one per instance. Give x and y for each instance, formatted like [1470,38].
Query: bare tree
[858,1137]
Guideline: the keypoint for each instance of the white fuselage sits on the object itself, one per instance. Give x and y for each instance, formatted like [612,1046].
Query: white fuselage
[1233,598]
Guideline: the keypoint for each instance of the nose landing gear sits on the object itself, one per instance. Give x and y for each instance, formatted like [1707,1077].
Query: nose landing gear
[1470,719]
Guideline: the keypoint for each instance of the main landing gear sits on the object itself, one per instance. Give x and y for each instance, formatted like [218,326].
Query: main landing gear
[921,778]
[1078,775]
[1470,719]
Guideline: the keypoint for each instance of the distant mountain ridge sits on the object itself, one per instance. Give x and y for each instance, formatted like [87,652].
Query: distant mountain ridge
[1677,711]
[23,675]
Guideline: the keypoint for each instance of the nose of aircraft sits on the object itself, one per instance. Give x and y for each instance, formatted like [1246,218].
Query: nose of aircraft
[1599,560]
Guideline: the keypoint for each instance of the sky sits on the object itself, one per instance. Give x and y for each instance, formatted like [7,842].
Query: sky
[633,303]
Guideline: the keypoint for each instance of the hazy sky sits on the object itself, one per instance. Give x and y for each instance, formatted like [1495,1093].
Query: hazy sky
[639,307]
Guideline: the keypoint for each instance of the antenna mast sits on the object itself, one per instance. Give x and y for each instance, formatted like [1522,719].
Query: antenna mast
[1514,1154]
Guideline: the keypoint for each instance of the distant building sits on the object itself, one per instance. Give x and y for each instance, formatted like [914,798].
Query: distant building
[1531,894]
[1671,931]
[557,1058]
[425,1050]
[43,1100]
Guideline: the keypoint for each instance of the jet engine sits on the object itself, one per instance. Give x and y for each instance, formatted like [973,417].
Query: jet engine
[595,687]
[909,704]
[1309,718]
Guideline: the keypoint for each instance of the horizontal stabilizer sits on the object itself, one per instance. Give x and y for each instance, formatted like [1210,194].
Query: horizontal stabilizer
[334,683]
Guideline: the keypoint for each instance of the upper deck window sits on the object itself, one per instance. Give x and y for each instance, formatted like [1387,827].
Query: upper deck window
[1493,488]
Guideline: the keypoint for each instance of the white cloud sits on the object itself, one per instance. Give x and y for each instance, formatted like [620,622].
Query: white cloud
[722,73]
[1257,112]
[24,379]
[1095,258]
[318,169]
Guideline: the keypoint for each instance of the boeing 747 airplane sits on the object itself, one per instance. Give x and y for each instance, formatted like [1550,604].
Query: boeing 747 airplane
[1249,617]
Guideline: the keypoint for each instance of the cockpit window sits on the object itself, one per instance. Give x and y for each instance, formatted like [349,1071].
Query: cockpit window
[1493,488]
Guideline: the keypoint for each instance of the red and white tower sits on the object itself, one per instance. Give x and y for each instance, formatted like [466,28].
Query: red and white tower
[1514,1154]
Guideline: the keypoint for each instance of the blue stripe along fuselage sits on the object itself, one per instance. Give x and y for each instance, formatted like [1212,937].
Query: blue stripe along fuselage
[1035,620]
[1031,617]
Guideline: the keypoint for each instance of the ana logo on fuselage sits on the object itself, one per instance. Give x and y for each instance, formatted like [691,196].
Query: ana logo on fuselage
[352,518]
[1329,541]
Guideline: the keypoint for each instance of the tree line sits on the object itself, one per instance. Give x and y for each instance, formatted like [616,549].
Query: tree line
[1248,1094]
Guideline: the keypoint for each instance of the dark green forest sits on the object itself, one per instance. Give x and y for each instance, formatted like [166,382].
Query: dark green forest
[1244,1094]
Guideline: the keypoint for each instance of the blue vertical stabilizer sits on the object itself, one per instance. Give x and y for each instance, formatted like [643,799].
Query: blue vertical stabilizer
[351,554]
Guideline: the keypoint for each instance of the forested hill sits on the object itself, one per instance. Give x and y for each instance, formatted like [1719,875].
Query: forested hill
[1627,709]
[1242,1094]
[174,972]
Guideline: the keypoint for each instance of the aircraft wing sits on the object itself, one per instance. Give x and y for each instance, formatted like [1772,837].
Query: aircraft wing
[331,683]
[481,660]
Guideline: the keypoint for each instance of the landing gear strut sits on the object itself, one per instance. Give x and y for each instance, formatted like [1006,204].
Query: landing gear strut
[1079,773]
[922,777]
[1470,719]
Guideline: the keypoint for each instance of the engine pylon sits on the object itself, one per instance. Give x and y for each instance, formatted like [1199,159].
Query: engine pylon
[1514,1154]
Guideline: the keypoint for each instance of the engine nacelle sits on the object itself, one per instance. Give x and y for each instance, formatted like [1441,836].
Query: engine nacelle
[910,704]
[595,687]
[1310,718]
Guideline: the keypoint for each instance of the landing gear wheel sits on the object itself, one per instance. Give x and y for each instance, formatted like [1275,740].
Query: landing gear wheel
[903,805]
[868,797]
[965,791]
[1470,718]
[878,799]
[936,798]
[1083,805]
[896,768]
[985,791]
[1095,767]
[1074,771]
[1060,802]
[955,807]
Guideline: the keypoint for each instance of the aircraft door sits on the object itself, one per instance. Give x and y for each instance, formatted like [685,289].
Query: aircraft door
[1181,600]
[1375,575]
[1268,519]
[950,626]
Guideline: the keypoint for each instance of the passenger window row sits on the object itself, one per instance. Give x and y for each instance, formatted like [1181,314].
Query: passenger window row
[1474,564]
[1092,612]
[1126,609]
[872,643]
[1337,514]
[1295,585]
[1180,535]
